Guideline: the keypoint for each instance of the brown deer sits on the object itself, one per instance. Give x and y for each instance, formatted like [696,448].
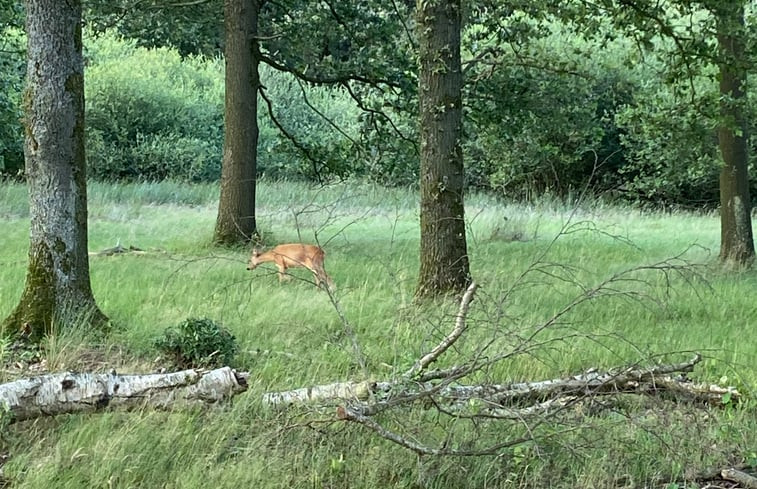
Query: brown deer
[294,255]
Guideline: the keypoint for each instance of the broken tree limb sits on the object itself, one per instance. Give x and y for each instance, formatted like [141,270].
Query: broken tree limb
[513,400]
[339,392]
[693,392]
[742,478]
[117,250]
[67,392]
[449,340]
[626,379]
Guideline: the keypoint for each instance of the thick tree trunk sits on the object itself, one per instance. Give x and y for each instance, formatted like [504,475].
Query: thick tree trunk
[57,281]
[737,243]
[236,208]
[443,252]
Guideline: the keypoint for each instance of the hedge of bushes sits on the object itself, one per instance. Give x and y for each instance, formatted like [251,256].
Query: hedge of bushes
[576,112]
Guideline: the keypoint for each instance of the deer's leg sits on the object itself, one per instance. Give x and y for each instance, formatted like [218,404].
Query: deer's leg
[324,277]
[329,282]
[317,278]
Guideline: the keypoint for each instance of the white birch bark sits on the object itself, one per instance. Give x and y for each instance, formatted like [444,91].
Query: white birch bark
[67,392]
[320,394]
[529,397]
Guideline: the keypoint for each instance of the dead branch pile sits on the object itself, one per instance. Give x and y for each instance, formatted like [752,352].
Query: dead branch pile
[371,397]
[445,390]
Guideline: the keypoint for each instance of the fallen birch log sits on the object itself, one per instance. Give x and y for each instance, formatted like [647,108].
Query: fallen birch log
[742,478]
[321,394]
[498,398]
[53,394]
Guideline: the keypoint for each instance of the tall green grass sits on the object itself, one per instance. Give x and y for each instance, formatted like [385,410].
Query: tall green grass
[530,260]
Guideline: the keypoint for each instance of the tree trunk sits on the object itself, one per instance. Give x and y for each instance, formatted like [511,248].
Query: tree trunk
[736,242]
[236,209]
[57,280]
[443,251]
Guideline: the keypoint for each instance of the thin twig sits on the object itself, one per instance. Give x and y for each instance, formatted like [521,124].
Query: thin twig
[347,414]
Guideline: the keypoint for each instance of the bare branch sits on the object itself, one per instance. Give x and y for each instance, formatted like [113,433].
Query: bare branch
[347,414]
[322,115]
[297,144]
[449,340]
[361,105]
[326,80]
[402,18]
[347,327]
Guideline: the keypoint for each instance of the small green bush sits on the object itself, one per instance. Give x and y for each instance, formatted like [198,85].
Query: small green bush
[199,343]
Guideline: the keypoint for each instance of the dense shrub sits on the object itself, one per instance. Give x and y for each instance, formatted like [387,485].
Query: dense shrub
[670,141]
[155,157]
[323,121]
[198,343]
[151,114]
[562,112]
[544,120]
[12,68]
[671,145]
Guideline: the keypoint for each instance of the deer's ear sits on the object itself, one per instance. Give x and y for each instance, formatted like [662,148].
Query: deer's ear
[256,252]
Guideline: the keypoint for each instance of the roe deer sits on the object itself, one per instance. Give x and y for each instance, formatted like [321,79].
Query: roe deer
[294,255]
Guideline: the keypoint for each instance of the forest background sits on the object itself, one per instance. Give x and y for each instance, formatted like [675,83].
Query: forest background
[549,109]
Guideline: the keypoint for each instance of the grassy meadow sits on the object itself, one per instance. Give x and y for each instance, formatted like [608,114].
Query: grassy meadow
[531,261]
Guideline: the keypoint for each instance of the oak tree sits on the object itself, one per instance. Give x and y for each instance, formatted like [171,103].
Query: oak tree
[736,239]
[697,33]
[236,207]
[444,263]
[57,280]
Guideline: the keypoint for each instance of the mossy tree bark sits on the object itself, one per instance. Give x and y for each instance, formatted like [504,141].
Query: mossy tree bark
[737,242]
[57,281]
[443,251]
[236,208]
